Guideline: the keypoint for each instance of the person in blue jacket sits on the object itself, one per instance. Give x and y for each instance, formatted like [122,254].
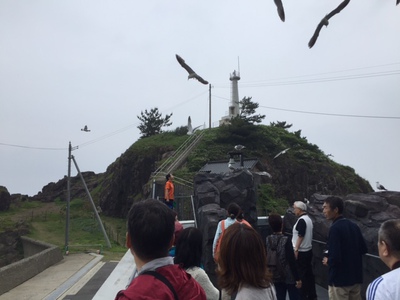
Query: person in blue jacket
[346,246]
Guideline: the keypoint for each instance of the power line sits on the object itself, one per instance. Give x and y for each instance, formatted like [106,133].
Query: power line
[327,73]
[331,114]
[325,79]
[108,135]
[31,147]
[289,81]
[136,124]
[271,83]
[322,113]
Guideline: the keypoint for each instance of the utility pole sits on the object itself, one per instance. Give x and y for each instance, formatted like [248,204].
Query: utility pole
[68,200]
[209,106]
[71,157]
[93,205]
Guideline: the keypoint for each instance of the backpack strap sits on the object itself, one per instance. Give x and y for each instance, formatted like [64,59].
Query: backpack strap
[164,280]
[223,225]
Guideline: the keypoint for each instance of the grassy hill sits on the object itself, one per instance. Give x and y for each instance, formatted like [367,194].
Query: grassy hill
[303,170]
[296,175]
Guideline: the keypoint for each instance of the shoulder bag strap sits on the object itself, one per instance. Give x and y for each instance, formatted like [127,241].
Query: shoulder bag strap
[163,279]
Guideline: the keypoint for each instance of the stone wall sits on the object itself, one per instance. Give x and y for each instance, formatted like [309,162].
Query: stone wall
[212,195]
[38,257]
[368,211]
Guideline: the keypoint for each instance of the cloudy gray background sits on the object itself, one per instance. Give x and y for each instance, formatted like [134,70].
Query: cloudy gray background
[65,64]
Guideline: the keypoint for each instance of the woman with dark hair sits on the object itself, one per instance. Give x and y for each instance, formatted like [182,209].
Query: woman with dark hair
[188,253]
[242,266]
[240,218]
[177,232]
[285,275]
[235,214]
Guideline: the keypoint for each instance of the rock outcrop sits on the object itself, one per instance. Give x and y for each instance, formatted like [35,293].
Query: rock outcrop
[5,199]
[368,211]
[54,190]
[10,245]
[212,195]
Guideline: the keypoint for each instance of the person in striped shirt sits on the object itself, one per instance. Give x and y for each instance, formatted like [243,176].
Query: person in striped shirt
[387,286]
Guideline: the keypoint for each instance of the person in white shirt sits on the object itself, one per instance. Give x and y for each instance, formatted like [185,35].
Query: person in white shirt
[387,286]
[188,254]
[302,246]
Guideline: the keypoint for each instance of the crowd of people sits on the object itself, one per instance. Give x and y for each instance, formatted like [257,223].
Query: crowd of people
[248,267]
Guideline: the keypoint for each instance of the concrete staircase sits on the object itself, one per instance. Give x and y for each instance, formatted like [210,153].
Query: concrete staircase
[178,157]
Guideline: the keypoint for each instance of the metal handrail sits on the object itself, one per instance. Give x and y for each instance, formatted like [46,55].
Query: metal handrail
[176,153]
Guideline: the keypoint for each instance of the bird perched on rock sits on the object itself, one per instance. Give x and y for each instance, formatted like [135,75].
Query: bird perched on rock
[281,11]
[325,21]
[380,186]
[282,152]
[85,129]
[192,74]
[239,147]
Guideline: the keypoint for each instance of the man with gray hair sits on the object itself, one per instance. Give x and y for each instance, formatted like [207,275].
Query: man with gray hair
[302,245]
[387,286]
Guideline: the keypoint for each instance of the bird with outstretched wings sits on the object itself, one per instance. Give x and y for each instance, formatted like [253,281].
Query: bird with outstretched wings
[192,74]
[325,21]
[86,129]
[239,147]
[280,153]
[281,11]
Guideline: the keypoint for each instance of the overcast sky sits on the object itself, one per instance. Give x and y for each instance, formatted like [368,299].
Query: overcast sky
[66,64]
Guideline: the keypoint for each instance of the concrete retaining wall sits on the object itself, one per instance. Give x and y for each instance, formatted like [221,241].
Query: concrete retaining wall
[38,257]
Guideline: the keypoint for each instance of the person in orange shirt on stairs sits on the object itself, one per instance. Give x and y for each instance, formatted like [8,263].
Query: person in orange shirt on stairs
[169,191]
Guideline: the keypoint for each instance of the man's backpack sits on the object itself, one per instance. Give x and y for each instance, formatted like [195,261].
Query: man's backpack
[276,256]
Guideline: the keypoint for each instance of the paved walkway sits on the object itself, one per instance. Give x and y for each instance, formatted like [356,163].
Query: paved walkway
[84,276]
[57,279]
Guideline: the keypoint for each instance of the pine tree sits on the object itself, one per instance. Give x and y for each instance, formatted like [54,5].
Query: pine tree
[152,122]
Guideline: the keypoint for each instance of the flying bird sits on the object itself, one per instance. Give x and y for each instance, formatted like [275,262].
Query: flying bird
[86,129]
[282,152]
[325,21]
[239,147]
[281,11]
[263,173]
[192,74]
[380,186]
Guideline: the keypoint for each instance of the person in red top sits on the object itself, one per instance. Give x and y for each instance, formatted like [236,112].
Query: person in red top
[169,191]
[150,235]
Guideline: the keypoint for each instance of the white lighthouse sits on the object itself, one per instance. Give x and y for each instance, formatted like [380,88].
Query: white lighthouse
[234,104]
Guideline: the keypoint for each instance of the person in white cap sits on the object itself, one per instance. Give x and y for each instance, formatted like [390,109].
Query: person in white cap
[302,245]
